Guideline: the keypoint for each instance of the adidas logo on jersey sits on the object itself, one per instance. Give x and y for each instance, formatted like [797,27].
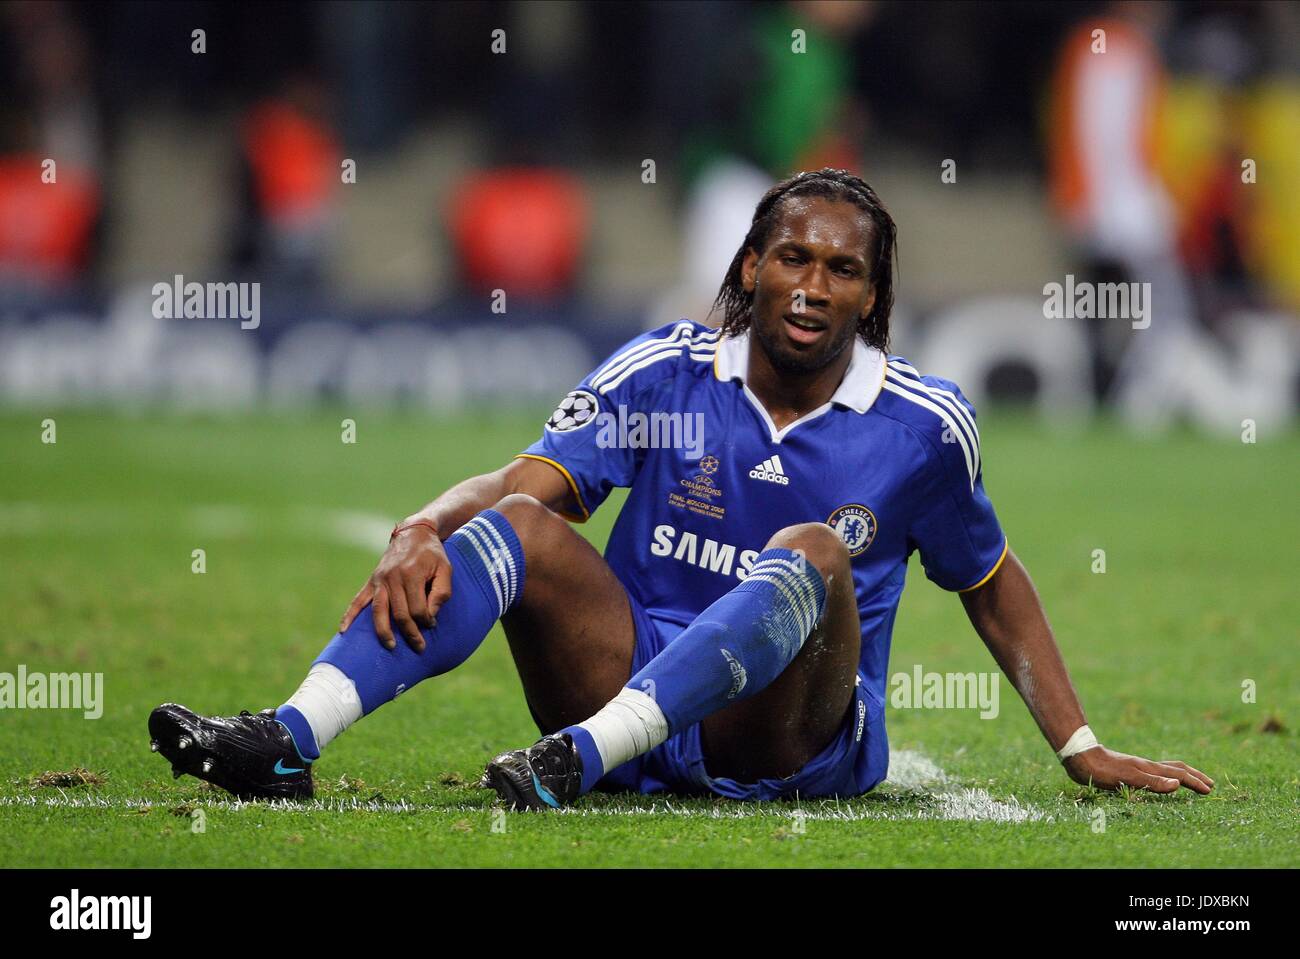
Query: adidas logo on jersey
[771,471]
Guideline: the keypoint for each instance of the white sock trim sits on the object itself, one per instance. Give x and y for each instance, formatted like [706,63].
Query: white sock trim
[629,724]
[328,700]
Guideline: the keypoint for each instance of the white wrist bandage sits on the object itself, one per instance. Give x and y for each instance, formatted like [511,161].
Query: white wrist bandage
[1081,740]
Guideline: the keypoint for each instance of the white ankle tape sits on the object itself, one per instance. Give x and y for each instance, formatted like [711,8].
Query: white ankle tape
[1077,743]
[329,702]
[628,725]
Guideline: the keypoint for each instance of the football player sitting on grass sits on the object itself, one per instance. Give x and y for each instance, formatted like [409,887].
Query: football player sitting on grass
[735,636]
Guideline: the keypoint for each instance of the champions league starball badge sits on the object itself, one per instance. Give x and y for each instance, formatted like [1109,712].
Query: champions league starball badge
[575,411]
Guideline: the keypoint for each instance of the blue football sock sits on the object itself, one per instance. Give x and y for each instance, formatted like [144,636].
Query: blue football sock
[487,577]
[593,766]
[732,650]
[304,740]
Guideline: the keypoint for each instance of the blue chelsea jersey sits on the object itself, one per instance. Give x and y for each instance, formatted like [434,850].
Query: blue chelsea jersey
[891,463]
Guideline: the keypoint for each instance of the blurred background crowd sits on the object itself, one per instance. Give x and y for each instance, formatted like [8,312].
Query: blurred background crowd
[380,169]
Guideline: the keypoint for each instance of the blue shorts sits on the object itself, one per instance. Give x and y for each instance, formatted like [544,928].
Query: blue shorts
[855,761]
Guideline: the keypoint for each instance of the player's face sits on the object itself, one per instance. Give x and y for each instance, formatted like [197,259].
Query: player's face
[815,259]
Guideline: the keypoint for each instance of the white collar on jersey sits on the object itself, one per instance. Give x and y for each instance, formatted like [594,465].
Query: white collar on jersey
[858,390]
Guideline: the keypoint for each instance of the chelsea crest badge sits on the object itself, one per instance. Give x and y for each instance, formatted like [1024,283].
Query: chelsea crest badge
[856,525]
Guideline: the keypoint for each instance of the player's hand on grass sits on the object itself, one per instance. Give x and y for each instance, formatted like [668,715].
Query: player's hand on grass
[1105,769]
[409,586]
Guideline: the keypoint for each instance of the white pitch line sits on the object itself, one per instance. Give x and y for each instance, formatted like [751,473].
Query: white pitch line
[368,531]
[976,805]
[222,520]
[909,771]
[20,519]
[357,528]
[912,770]
[916,772]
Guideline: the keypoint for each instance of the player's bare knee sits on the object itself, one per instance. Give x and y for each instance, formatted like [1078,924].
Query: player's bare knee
[820,545]
[528,516]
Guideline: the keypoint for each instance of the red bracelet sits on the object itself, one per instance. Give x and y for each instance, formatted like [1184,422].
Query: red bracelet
[419,522]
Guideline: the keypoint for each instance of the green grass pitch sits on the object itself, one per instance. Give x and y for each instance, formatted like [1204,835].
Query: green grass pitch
[96,538]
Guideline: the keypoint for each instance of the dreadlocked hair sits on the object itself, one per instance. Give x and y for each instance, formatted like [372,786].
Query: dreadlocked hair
[736,305]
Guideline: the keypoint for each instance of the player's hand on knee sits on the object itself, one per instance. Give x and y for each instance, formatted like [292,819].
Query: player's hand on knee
[1106,769]
[410,584]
